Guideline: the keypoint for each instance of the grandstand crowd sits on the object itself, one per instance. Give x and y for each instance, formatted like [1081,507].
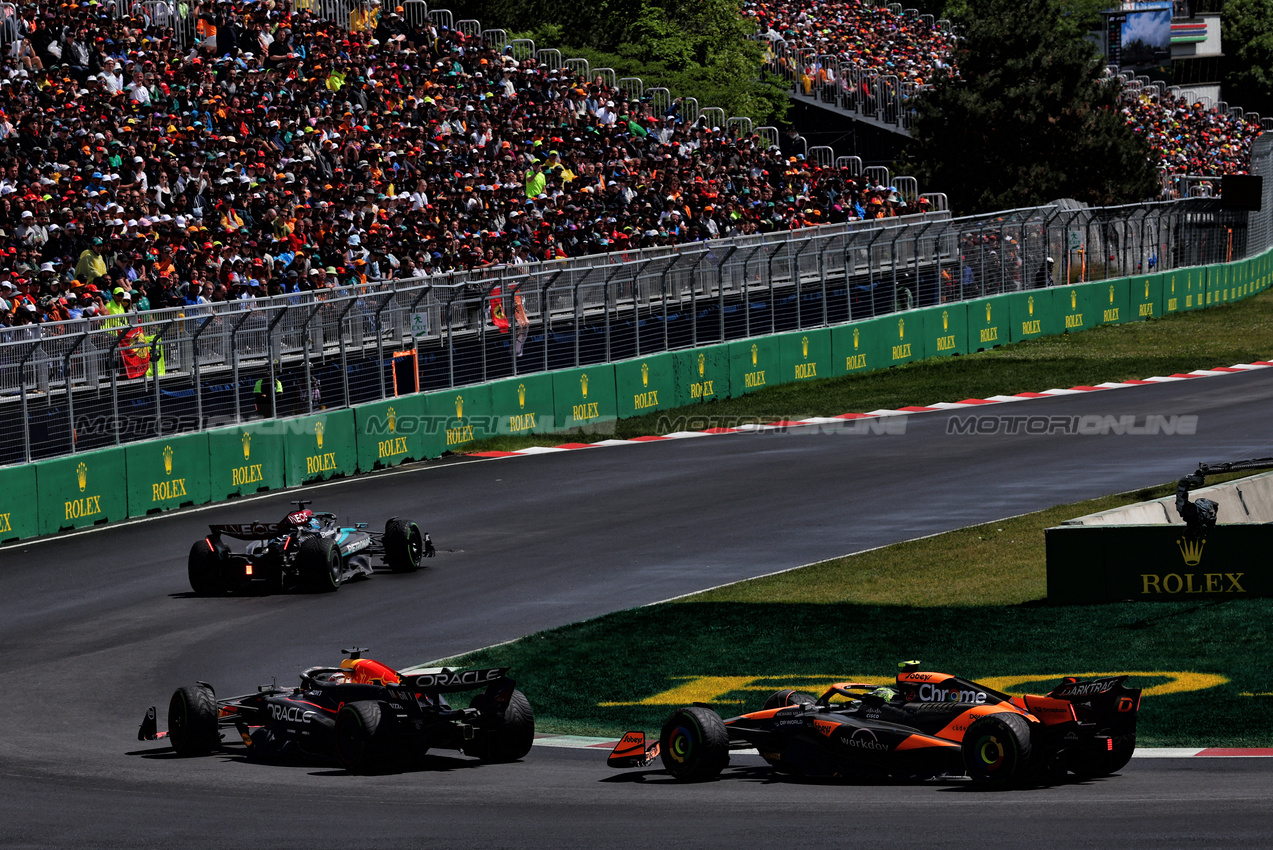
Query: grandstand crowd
[284,153]
[281,152]
[1184,137]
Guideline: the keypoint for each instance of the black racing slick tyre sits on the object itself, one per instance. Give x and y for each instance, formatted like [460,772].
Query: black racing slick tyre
[319,565]
[781,699]
[404,545]
[997,750]
[192,721]
[206,570]
[364,738]
[507,738]
[694,744]
[1124,746]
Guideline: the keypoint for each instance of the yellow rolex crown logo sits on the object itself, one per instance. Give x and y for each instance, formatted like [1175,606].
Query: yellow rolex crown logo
[1111,295]
[1074,299]
[583,384]
[1173,283]
[459,407]
[392,416]
[1191,551]
[804,347]
[645,374]
[318,432]
[702,365]
[167,460]
[945,320]
[1031,305]
[987,314]
[1146,289]
[521,395]
[755,351]
[81,475]
[901,328]
[247,445]
[856,335]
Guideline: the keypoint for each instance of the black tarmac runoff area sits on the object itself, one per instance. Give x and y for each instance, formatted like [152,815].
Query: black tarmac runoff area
[98,626]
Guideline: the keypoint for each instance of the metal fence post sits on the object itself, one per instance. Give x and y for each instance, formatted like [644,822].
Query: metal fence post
[308,389]
[22,389]
[194,359]
[234,363]
[70,392]
[154,357]
[720,289]
[380,344]
[269,354]
[340,328]
[544,311]
[667,342]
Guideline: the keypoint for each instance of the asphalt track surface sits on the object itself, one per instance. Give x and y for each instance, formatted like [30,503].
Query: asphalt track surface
[98,626]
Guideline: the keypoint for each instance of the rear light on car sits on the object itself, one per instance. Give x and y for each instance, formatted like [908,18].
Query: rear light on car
[211,548]
[286,540]
[248,570]
[1109,744]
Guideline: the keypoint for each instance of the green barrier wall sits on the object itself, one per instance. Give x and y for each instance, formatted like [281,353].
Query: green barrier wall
[805,355]
[945,330]
[701,374]
[1184,289]
[988,322]
[585,398]
[902,337]
[391,432]
[1113,301]
[19,514]
[461,416]
[857,348]
[1145,297]
[81,490]
[645,385]
[164,474]
[320,447]
[246,459]
[1033,314]
[754,364]
[523,405]
[1078,306]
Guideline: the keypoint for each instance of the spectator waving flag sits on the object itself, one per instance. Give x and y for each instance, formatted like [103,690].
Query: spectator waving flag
[498,319]
[135,353]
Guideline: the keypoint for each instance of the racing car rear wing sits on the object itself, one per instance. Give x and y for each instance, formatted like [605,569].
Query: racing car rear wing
[449,681]
[248,530]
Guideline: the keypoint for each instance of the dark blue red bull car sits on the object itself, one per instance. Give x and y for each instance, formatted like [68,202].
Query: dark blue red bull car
[363,714]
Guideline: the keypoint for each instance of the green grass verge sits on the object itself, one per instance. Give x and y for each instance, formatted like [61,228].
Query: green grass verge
[966,602]
[1217,336]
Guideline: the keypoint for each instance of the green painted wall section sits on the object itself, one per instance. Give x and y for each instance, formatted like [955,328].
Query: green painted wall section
[585,398]
[169,473]
[246,459]
[19,508]
[81,490]
[645,385]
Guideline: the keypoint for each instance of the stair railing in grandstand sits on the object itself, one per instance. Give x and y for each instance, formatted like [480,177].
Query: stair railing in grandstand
[469,27]
[714,116]
[523,49]
[578,67]
[660,100]
[549,56]
[821,155]
[414,12]
[877,175]
[496,38]
[907,188]
[442,18]
[738,128]
[768,136]
[690,110]
[606,76]
[632,88]
[853,163]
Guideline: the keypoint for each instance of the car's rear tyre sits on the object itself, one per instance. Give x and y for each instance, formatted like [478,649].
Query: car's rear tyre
[192,721]
[781,699]
[507,737]
[694,744]
[318,563]
[997,749]
[404,545]
[206,570]
[364,740]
